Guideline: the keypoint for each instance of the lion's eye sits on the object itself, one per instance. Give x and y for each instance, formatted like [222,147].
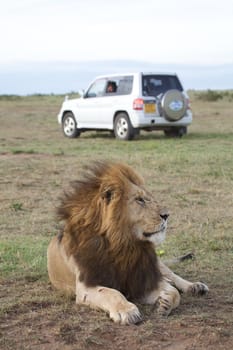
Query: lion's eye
[140,201]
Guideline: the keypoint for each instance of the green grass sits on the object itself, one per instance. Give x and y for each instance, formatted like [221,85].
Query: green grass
[23,256]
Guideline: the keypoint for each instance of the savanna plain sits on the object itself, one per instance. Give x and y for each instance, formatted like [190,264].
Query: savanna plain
[192,176]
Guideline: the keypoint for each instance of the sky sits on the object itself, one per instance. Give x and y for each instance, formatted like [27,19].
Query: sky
[183,32]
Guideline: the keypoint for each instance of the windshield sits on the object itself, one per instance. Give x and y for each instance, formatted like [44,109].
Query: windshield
[154,85]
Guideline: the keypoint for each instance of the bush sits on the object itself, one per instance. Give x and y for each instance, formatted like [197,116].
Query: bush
[210,96]
[10,97]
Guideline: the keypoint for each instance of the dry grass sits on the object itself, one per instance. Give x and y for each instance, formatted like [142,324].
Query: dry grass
[192,176]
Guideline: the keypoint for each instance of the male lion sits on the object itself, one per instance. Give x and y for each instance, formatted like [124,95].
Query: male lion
[106,253]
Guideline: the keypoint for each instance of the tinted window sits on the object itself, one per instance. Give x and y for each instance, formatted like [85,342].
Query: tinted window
[153,85]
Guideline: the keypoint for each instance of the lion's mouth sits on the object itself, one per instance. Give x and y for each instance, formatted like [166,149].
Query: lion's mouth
[149,234]
[162,229]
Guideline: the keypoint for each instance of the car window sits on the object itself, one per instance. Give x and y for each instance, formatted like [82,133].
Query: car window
[125,85]
[121,85]
[154,85]
[97,89]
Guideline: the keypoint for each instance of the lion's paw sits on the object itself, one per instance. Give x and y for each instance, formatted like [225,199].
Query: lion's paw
[198,288]
[168,300]
[126,314]
[164,306]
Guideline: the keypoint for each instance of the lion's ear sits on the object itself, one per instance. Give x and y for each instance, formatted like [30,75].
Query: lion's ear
[107,195]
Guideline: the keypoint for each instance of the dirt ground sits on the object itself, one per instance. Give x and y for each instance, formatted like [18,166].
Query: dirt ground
[49,321]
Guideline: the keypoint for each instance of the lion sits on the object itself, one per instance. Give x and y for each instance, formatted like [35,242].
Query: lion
[106,253]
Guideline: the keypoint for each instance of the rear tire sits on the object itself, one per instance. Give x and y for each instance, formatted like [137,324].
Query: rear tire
[123,129]
[69,126]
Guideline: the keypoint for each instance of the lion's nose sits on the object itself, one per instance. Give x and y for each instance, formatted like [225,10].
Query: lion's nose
[164,215]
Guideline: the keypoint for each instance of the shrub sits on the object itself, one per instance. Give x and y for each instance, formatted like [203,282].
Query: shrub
[210,95]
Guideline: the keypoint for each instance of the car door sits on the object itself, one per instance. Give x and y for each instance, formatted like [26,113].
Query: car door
[109,101]
[91,107]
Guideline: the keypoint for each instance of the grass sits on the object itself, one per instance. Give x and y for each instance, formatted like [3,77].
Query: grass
[192,176]
[24,256]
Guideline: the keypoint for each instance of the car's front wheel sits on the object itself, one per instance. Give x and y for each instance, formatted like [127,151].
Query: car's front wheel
[123,128]
[69,126]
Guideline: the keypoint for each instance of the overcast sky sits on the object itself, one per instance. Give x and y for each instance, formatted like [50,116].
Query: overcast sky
[165,31]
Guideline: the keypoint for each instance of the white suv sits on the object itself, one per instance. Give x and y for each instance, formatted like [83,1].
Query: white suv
[128,103]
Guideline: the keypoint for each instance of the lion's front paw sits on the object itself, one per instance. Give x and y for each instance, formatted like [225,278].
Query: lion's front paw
[167,301]
[164,306]
[126,314]
[198,288]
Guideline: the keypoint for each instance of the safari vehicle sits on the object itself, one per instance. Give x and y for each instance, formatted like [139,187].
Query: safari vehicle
[128,103]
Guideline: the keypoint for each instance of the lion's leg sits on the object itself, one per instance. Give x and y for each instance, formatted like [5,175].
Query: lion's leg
[110,300]
[197,288]
[166,297]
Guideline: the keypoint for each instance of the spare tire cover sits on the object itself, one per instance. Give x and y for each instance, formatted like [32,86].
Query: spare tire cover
[173,105]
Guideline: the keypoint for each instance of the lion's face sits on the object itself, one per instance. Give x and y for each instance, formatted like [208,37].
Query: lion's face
[148,219]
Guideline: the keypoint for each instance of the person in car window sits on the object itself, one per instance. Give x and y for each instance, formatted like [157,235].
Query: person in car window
[111,87]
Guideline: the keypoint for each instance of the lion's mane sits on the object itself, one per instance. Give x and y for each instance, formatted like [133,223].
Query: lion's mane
[97,232]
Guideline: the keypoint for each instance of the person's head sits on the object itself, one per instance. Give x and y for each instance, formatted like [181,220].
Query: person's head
[111,87]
